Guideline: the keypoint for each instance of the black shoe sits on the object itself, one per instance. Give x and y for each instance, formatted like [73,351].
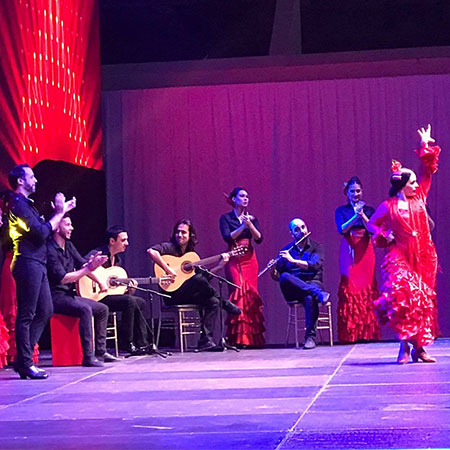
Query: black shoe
[208,346]
[309,344]
[107,357]
[231,308]
[91,361]
[32,372]
[323,297]
[129,348]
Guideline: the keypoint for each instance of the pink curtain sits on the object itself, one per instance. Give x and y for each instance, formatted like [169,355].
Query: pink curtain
[172,152]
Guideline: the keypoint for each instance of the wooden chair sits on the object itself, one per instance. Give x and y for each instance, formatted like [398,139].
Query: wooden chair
[111,332]
[188,323]
[296,319]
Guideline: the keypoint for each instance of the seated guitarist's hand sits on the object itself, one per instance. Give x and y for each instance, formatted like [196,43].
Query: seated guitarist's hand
[132,285]
[166,280]
[103,288]
[170,272]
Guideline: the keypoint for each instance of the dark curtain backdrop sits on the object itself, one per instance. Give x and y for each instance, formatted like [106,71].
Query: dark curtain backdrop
[172,152]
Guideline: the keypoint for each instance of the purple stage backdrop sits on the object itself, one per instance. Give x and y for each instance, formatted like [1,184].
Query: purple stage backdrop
[172,152]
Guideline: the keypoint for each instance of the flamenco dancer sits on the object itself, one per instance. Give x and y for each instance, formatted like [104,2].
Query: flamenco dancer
[358,287]
[239,228]
[408,300]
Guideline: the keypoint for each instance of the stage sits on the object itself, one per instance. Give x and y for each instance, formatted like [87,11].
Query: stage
[351,396]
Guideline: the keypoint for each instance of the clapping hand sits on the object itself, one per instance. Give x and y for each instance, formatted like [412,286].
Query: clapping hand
[96,260]
[247,219]
[60,205]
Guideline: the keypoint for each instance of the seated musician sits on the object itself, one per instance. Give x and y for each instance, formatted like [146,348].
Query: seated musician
[299,271]
[196,290]
[65,266]
[133,335]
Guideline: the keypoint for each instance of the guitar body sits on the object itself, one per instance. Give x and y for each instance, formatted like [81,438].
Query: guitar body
[180,264]
[90,289]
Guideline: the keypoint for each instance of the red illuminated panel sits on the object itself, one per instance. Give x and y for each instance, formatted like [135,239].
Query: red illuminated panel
[50,82]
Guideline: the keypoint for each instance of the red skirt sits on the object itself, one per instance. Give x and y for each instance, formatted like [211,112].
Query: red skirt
[8,309]
[248,327]
[358,289]
[4,346]
[407,303]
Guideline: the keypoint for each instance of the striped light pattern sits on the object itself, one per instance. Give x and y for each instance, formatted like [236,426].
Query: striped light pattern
[50,81]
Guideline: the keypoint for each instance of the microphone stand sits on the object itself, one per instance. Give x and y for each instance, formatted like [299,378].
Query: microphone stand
[223,345]
[153,348]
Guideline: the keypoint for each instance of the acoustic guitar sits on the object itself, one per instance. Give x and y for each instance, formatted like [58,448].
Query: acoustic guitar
[184,266]
[117,280]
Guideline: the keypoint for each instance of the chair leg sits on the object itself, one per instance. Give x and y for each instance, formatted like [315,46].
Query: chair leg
[289,324]
[297,344]
[116,340]
[180,330]
[330,320]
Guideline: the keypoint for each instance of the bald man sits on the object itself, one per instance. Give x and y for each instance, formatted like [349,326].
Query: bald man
[299,272]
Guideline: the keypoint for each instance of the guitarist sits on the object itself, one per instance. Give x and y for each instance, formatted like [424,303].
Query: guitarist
[196,290]
[133,336]
[65,266]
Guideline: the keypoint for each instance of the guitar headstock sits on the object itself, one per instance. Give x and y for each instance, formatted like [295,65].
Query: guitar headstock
[239,251]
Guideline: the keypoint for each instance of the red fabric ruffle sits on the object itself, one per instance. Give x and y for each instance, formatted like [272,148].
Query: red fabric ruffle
[407,302]
[357,319]
[429,156]
[4,346]
[358,289]
[248,327]
[8,308]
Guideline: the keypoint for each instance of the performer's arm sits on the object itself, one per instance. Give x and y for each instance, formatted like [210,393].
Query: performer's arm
[382,236]
[298,262]
[225,257]
[156,257]
[429,157]
[343,225]
[316,259]
[86,270]
[61,207]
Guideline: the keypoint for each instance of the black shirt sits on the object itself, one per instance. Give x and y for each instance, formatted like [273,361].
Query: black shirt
[104,249]
[344,213]
[229,222]
[313,254]
[28,231]
[167,248]
[60,262]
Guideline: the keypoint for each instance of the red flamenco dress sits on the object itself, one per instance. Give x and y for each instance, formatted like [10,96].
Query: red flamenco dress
[247,328]
[358,289]
[408,299]
[4,346]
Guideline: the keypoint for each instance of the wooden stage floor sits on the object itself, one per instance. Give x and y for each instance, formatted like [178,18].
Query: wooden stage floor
[352,396]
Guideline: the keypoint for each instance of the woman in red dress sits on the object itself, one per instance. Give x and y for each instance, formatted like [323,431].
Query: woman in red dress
[239,228]
[408,300]
[358,287]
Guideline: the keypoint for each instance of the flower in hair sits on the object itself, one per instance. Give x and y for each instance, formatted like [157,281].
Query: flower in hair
[396,167]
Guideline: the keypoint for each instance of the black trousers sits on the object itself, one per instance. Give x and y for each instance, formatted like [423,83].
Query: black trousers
[198,291]
[132,327]
[295,289]
[34,306]
[85,309]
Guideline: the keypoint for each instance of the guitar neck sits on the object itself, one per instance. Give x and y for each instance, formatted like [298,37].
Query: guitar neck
[206,261]
[148,280]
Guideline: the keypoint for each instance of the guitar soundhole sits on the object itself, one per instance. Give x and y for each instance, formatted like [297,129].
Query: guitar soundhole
[111,283]
[186,267]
